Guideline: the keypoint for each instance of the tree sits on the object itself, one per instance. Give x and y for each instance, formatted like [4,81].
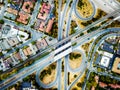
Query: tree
[81,34]
[31,9]
[75,76]
[27,6]
[32,26]
[53,66]
[80,3]
[1,21]
[79,84]
[49,71]
[74,88]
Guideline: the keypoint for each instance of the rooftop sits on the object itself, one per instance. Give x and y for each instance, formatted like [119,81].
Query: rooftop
[103,85]
[27,6]
[105,61]
[44,11]
[13,41]
[17,56]
[41,44]
[49,26]
[42,25]
[23,18]
[42,16]
[45,8]
[108,54]
[13,11]
[27,51]
[107,47]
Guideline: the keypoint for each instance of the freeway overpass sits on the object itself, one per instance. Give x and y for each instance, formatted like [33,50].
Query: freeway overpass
[34,67]
[44,62]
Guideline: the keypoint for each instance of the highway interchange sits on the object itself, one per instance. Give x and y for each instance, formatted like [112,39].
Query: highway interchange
[47,60]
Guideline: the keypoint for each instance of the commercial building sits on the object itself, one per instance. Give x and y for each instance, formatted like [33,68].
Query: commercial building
[106,60]
[107,47]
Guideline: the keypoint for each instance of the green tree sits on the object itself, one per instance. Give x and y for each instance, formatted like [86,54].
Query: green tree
[1,21]
[79,84]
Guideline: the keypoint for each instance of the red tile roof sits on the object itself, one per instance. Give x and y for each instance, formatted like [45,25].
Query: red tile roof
[49,26]
[101,84]
[30,5]
[23,18]
[114,86]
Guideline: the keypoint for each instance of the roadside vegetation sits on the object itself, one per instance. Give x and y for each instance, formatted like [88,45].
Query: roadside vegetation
[54,30]
[84,8]
[27,63]
[83,24]
[1,21]
[72,27]
[75,59]
[48,74]
[28,79]
[86,47]
[105,79]
[80,82]
[99,15]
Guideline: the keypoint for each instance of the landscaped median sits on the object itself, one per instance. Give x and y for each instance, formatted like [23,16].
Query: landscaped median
[48,74]
[75,59]
[85,8]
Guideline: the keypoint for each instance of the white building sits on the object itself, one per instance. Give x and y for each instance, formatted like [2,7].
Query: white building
[105,61]
[108,54]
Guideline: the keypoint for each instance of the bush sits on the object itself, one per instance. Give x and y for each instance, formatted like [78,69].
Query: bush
[79,84]
[1,21]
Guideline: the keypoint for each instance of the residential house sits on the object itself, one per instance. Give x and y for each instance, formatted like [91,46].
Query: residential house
[42,16]
[49,26]
[27,51]
[23,18]
[42,25]
[45,8]
[44,11]
[41,44]
[6,65]
[12,11]
[17,56]
[24,57]
[13,41]
[103,85]
[10,61]
[27,6]
[35,48]
[114,86]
